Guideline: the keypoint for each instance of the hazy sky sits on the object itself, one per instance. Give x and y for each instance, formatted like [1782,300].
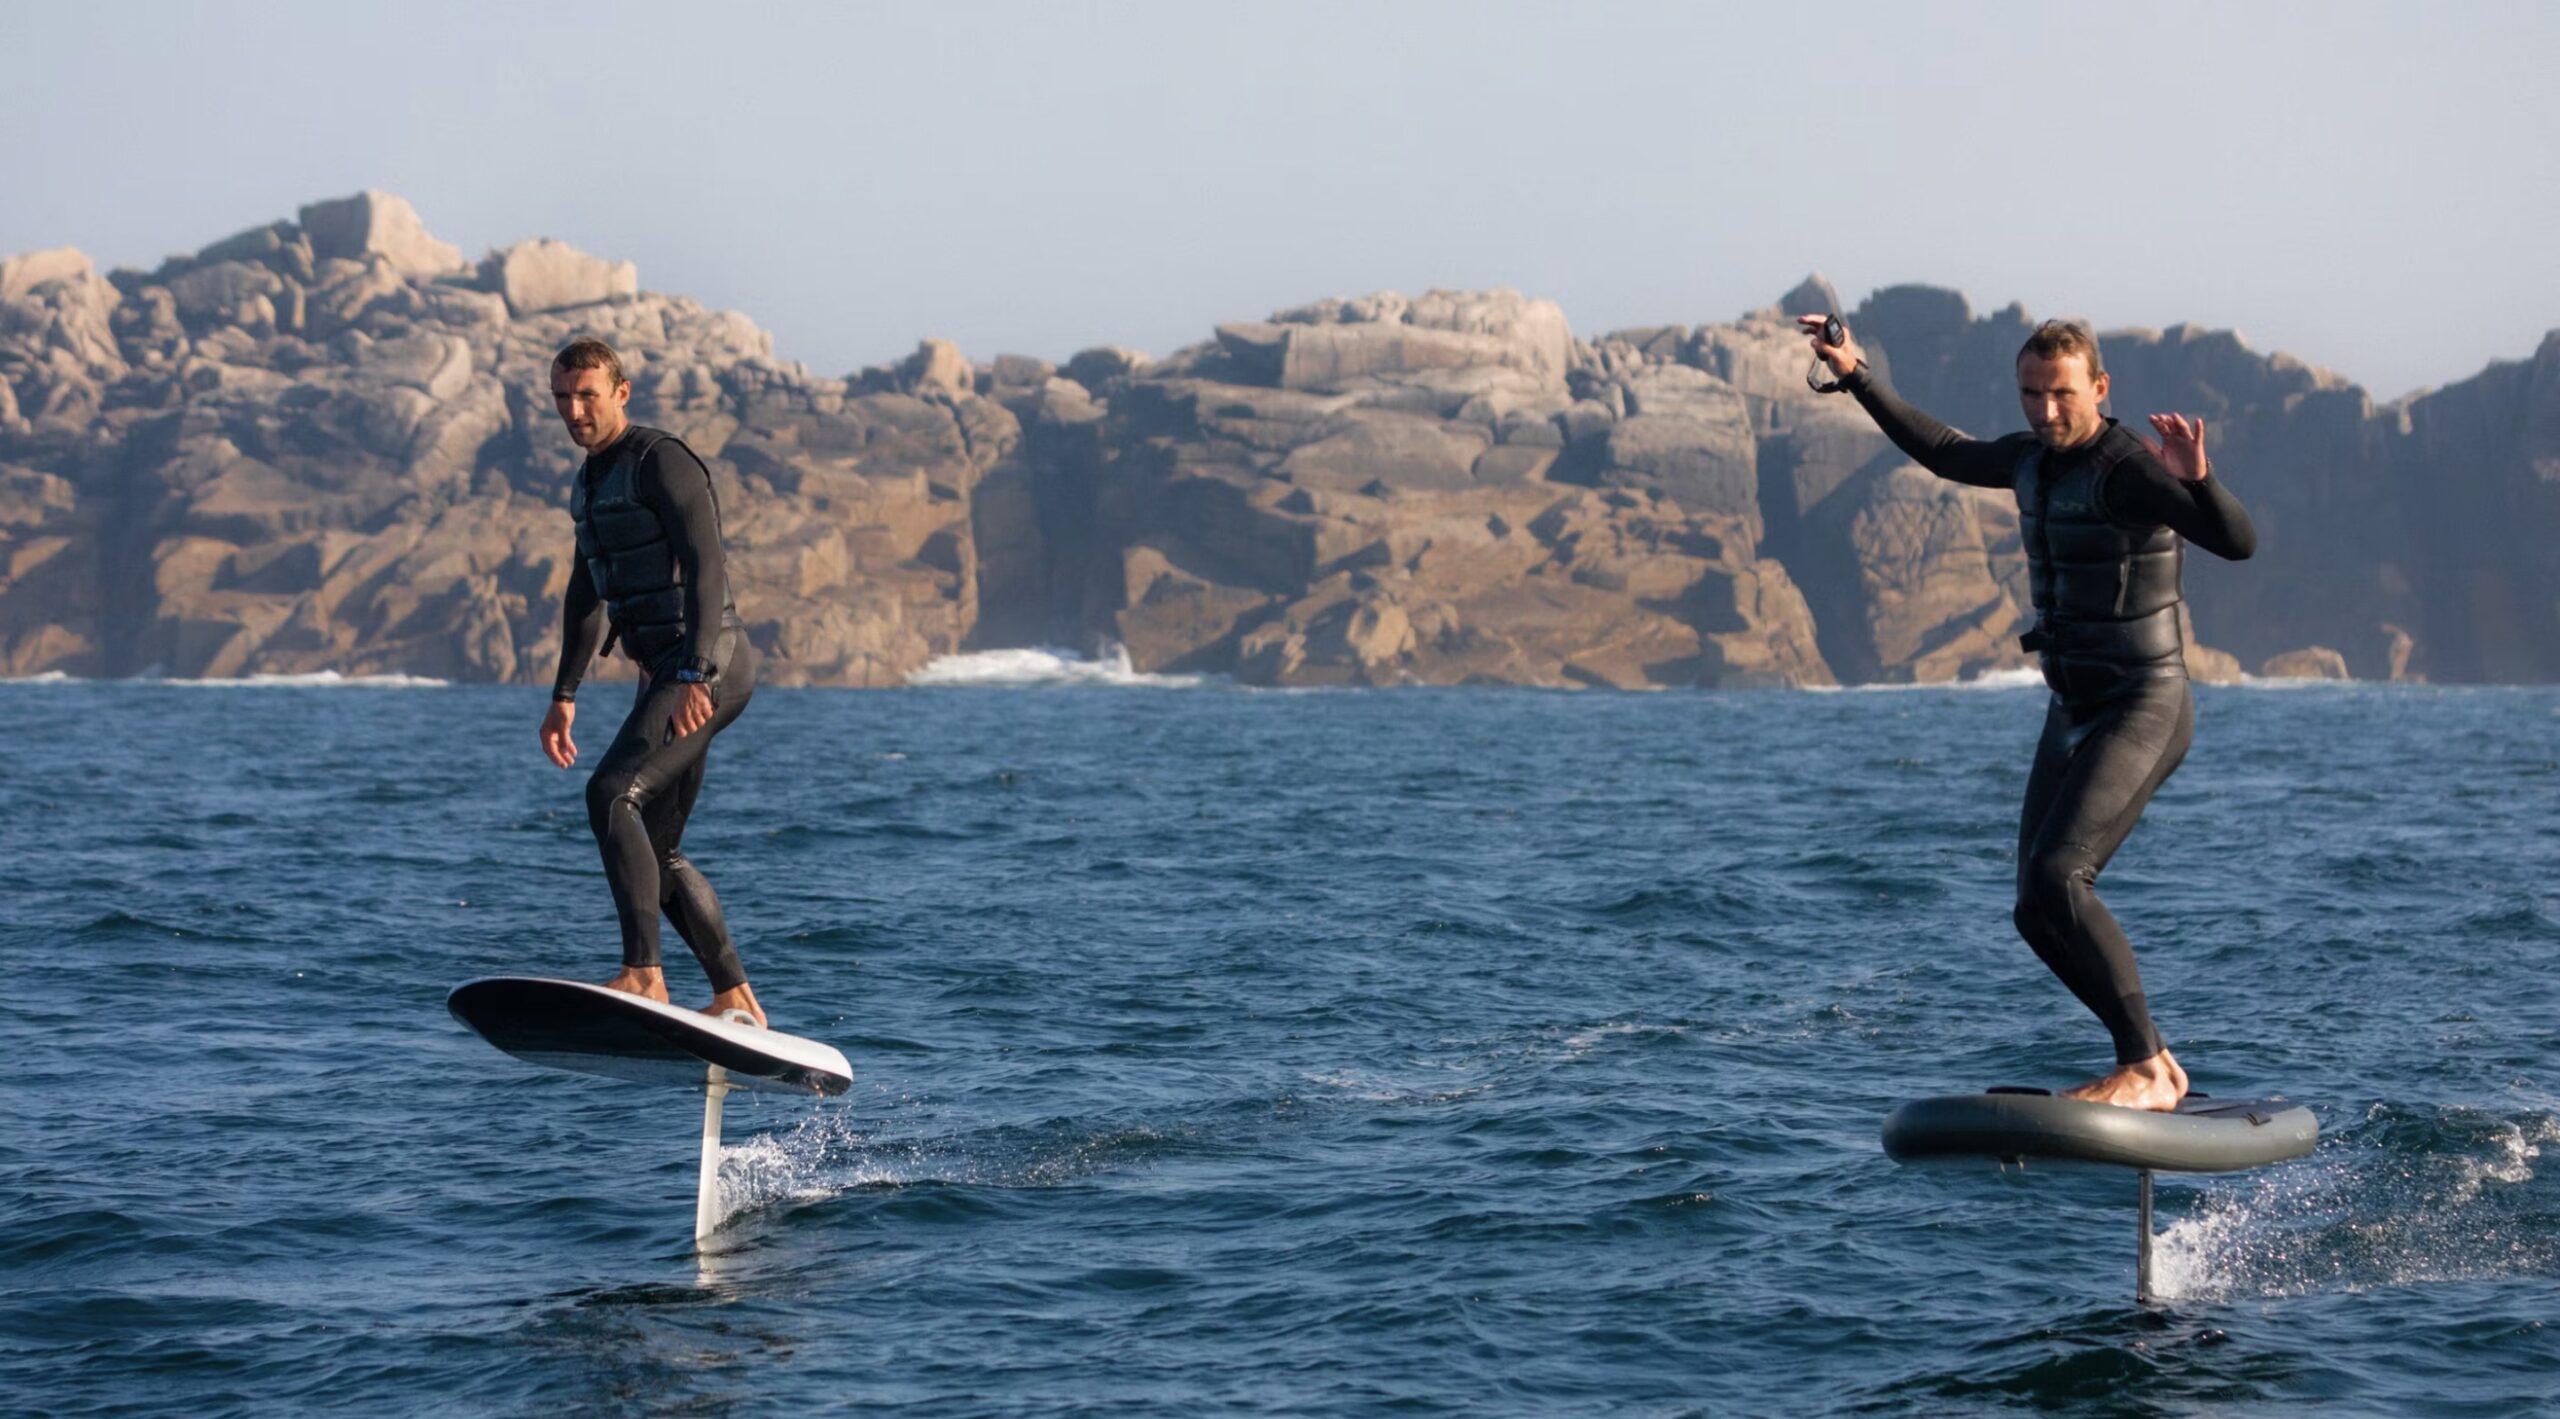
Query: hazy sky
[2372,187]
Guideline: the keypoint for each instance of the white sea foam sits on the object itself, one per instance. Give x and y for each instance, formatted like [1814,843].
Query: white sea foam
[1368,1088]
[1047,665]
[1987,680]
[313,680]
[2027,679]
[2021,679]
[825,1154]
[1584,1042]
[819,1157]
[2355,1217]
[2510,1163]
[1353,1084]
[816,1159]
[2302,682]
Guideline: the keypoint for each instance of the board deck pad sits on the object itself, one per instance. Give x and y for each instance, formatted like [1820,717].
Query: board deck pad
[564,1024]
[2204,1135]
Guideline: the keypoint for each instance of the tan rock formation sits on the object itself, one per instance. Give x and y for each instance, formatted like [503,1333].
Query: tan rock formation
[324,454]
[327,444]
[544,275]
[1932,607]
[1380,507]
[20,275]
[1101,364]
[373,225]
[937,369]
[2316,662]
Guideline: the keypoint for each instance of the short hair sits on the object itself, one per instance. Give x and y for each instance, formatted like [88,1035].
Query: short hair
[2057,338]
[589,353]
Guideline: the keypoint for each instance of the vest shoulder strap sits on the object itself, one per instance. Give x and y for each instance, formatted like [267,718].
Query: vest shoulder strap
[2030,468]
[2118,453]
[637,448]
[646,441]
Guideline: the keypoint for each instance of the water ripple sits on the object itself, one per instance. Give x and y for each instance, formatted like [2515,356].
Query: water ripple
[1451,1052]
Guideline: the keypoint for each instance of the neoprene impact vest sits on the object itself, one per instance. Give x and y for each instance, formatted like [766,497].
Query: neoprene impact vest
[628,556]
[2106,595]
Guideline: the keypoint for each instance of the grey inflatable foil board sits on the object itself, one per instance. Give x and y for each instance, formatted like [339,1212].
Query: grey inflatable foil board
[2205,1135]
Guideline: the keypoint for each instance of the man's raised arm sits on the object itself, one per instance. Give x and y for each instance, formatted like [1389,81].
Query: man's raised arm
[2175,487]
[1947,452]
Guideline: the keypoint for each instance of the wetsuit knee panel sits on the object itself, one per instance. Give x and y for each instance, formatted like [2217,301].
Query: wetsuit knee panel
[603,789]
[2046,880]
[609,793]
[600,795]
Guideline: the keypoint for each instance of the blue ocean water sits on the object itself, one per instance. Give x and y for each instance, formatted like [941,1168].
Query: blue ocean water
[1424,1052]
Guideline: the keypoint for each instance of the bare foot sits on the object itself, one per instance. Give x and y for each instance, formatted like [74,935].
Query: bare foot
[2156,1084]
[649,982]
[742,998]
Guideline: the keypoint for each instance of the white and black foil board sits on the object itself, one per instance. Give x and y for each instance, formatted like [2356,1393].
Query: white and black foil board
[572,1025]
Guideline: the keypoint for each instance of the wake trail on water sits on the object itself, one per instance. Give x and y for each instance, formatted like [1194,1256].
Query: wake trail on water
[2405,1197]
[825,1157]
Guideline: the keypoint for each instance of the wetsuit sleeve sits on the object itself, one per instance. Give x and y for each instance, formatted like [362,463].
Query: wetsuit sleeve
[2139,492]
[581,632]
[1947,452]
[675,485]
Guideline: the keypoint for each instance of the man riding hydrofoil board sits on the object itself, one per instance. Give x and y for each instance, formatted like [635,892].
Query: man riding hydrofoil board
[2104,515]
[651,575]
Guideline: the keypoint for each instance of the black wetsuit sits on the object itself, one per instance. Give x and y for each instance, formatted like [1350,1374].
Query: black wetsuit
[2101,523]
[652,570]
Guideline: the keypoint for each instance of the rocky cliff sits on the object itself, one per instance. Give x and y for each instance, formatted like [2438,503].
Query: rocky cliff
[327,444]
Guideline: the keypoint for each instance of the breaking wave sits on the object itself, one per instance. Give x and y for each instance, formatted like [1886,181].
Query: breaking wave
[1048,666]
[1987,680]
[311,680]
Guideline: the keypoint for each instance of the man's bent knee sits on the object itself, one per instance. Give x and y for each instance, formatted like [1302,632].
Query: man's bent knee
[2046,884]
[607,791]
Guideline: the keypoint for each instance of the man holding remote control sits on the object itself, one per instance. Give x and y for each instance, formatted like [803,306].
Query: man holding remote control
[2102,513]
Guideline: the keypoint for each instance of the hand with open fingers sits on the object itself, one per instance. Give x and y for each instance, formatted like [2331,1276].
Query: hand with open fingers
[1843,357]
[556,742]
[2180,447]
